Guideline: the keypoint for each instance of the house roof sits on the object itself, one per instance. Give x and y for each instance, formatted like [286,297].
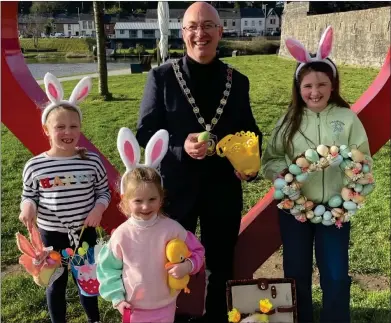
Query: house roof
[229,13]
[251,13]
[144,25]
[174,13]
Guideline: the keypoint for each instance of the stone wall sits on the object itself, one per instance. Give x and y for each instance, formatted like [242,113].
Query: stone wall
[361,37]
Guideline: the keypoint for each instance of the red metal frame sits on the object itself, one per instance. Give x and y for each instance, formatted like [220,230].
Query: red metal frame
[259,229]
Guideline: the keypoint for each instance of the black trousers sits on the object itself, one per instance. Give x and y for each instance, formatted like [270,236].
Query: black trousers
[55,294]
[220,216]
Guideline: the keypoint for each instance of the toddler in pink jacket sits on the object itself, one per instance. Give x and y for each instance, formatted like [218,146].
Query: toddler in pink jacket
[131,267]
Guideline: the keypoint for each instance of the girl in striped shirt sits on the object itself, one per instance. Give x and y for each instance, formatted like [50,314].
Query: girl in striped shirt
[64,189]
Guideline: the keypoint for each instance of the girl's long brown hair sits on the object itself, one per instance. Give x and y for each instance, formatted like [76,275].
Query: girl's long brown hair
[294,116]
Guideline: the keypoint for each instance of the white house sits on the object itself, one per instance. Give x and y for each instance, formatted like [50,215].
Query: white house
[87,25]
[272,21]
[127,30]
[252,19]
[176,15]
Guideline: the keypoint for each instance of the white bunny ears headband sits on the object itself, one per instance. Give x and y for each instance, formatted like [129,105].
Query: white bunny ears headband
[55,93]
[299,52]
[129,150]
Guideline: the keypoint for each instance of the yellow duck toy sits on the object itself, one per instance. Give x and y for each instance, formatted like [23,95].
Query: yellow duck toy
[177,252]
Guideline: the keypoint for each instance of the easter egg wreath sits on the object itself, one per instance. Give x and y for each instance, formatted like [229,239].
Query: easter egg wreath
[358,182]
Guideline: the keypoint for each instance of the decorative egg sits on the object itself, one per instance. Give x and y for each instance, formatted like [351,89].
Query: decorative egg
[349,205]
[327,215]
[335,201]
[301,200]
[367,179]
[327,222]
[296,185]
[345,164]
[346,181]
[294,211]
[308,205]
[334,150]
[278,195]
[349,173]
[358,166]
[311,155]
[294,169]
[302,162]
[356,155]
[301,178]
[294,196]
[309,214]
[344,151]
[319,210]
[358,198]
[365,168]
[337,212]
[316,219]
[358,188]
[279,183]
[322,150]
[367,189]
[288,178]
[287,204]
[336,161]
[346,194]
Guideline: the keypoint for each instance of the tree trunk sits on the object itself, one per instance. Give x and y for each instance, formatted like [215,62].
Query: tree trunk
[101,50]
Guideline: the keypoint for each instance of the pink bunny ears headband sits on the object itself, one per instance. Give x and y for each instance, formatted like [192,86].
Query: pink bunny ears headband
[299,52]
[129,150]
[55,93]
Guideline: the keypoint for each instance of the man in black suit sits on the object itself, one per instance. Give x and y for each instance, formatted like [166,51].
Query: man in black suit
[186,97]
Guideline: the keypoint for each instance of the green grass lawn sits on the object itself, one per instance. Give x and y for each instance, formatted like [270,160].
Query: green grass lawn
[271,80]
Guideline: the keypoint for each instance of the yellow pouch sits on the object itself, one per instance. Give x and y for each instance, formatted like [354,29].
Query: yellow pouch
[242,150]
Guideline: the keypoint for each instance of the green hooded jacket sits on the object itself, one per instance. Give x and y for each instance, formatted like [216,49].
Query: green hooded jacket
[333,126]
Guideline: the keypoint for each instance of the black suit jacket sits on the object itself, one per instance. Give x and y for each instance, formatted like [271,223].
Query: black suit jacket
[164,106]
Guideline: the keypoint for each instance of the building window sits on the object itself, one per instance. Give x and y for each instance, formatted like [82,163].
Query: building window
[69,27]
[85,25]
[148,33]
[122,31]
[133,33]
[174,33]
[253,23]
[260,22]
[245,22]
[233,23]
[272,21]
[90,25]
[270,29]
[225,23]
[179,20]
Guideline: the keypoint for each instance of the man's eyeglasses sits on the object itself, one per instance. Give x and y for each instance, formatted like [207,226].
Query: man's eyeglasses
[205,27]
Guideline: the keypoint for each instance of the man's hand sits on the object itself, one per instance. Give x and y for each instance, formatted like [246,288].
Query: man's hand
[179,271]
[195,149]
[121,307]
[28,214]
[244,177]
[95,216]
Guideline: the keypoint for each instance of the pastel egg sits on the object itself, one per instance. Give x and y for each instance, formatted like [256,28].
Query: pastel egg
[349,205]
[365,180]
[319,210]
[278,195]
[301,200]
[287,204]
[302,162]
[357,155]
[346,181]
[358,188]
[358,166]
[334,150]
[301,178]
[294,196]
[322,150]
[344,151]
[345,164]
[294,169]
[358,198]
[336,161]
[316,219]
[296,185]
[309,214]
[367,189]
[327,215]
[308,205]
[346,194]
[365,168]
[327,222]
[349,173]
[279,183]
[311,155]
[295,211]
[288,178]
[335,201]
[337,212]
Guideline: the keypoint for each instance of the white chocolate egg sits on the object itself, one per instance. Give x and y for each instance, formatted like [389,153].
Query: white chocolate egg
[322,150]
[288,178]
[309,214]
[334,150]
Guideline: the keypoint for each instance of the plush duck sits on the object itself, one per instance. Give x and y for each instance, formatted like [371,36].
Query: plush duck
[177,252]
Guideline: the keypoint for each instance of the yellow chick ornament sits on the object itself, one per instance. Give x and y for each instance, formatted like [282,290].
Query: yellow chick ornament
[177,252]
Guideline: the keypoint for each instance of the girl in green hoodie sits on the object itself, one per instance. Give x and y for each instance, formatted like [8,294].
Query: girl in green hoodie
[317,115]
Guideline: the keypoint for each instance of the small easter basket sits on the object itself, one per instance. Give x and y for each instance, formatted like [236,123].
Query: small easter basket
[242,150]
[83,265]
[262,300]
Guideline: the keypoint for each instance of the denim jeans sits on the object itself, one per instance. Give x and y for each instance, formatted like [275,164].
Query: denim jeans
[331,253]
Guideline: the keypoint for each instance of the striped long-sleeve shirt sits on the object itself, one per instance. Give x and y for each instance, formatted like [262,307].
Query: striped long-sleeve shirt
[64,189]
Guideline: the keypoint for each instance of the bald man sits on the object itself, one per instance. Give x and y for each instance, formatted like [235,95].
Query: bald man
[186,97]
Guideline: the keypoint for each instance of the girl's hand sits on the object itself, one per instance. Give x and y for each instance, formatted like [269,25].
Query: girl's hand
[95,216]
[121,307]
[244,177]
[27,216]
[179,271]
